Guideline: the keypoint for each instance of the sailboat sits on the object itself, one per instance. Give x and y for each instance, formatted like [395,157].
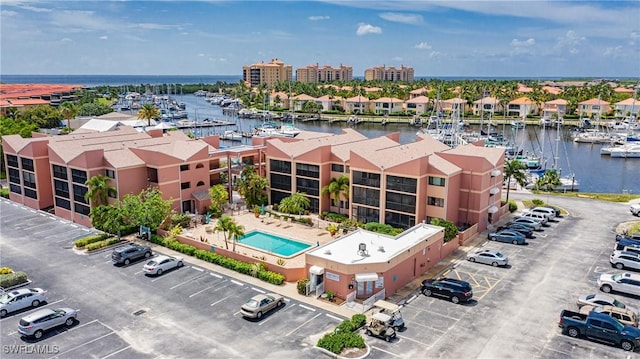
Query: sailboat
[289,129]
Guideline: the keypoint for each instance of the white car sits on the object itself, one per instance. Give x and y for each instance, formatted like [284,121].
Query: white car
[161,264]
[488,256]
[621,282]
[621,260]
[543,219]
[635,209]
[20,299]
[551,214]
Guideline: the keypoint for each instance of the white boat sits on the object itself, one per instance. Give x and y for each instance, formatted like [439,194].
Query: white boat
[184,124]
[289,130]
[231,135]
[591,136]
[630,150]
[518,124]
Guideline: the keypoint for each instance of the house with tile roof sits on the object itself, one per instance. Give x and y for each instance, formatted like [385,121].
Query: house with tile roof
[358,104]
[594,107]
[455,104]
[419,105]
[486,104]
[387,105]
[522,107]
[628,107]
[556,107]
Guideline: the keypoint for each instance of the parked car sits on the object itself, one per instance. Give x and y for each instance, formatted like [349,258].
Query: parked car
[531,222]
[380,325]
[35,324]
[519,227]
[508,236]
[635,209]
[628,237]
[543,219]
[601,300]
[623,260]
[624,248]
[261,304]
[130,252]
[17,299]
[556,210]
[455,290]
[626,283]
[624,316]
[488,256]
[599,327]
[550,213]
[161,264]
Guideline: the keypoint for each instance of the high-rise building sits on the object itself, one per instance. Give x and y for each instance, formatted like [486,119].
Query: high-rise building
[269,73]
[383,73]
[325,73]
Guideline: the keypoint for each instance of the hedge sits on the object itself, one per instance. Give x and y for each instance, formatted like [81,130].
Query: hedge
[80,243]
[344,335]
[211,257]
[11,279]
[101,244]
[6,270]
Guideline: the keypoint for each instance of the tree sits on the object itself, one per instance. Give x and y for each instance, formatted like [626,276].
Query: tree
[148,112]
[99,190]
[252,187]
[108,218]
[236,231]
[516,170]
[69,111]
[297,203]
[223,225]
[146,208]
[549,180]
[450,229]
[336,189]
[219,196]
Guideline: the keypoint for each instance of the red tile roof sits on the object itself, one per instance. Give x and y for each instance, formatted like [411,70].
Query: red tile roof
[23,91]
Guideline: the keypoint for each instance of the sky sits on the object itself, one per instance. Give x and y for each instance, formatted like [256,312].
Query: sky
[453,38]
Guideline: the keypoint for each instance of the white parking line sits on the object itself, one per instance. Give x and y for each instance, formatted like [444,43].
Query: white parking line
[384,351]
[238,283]
[216,275]
[289,307]
[307,308]
[116,352]
[303,324]
[198,269]
[42,214]
[74,226]
[411,299]
[265,320]
[83,344]
[333,317]
[57,301]
[187,281]
[83,325]
[138,272]
[258,290]
[200,291]
[214,303]
[417,341]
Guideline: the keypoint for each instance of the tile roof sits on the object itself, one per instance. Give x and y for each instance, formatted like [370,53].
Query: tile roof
[521,101]
[629,101]
[15,91]
[491,154]
[304,97]
[388,99]
[594,101]
[455,100]
[419,99]
[358,98]
[343,151]
[489,100]
[443,165]
[23,102]
[390,157]
[297,148]
[557,102]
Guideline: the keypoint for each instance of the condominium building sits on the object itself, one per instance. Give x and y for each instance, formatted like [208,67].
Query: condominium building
[383,73]
[326,73]
[269,73]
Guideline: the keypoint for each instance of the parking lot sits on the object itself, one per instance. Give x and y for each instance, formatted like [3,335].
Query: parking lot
[188,312]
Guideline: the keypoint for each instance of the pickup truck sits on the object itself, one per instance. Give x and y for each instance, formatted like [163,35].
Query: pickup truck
[599,327]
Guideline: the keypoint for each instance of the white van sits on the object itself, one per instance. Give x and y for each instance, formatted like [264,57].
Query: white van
[540,217]
[551,214]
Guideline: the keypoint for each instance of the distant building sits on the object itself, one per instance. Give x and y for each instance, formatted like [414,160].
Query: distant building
[25,96]
[382,73]
[326,73]
[269,73]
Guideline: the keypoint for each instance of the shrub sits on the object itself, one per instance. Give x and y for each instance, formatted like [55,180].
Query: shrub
[280,262]
[333,217]
[513,206]
[101,244]
[450,229]
[10,279]
[4,192]
[358,320]
[80,243]
[180,219]
[336,342]
[537,202]
[6,270]
[302,285]
[238,266]
[305,220]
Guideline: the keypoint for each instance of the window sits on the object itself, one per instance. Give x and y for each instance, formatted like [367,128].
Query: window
[78,194]
[14,176]
[199,165]
[63,203]
[184,168]
[401,202]
[82,209]
[28,179]
[78,176]
[308,186]
[399,220]
[277,196]
[185,185]
[15,188]
[436,181]
[366,196]
[110,173]
[152,175]
[280,166]
[433,201]
[337,168]
[280,182]
[200,183]
[30,193]
[27,164]
[59,172]
[306,170]
[12,161]
[61,188]
[402,184]
[366,179]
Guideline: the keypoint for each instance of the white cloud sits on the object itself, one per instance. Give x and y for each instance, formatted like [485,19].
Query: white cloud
[34,8]
[8,13]
[526,43]
[104,37]
[397,58]
[613,51]
[66,39]
[364,29]
[570,42]
[153,26]
[318,18]
[403,18]
[522,47]
[634,36]
[201,55]
[423,46]
[435,54]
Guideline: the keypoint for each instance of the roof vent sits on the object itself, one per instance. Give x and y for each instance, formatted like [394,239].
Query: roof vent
[362,249]
[328,252]
[381,249]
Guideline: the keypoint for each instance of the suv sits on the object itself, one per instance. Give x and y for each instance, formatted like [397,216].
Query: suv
[130,252]
[455,290]
[37,323]
[635,209]
[626,283]
[551,214]
[542,218]
[621,260]
[626,248]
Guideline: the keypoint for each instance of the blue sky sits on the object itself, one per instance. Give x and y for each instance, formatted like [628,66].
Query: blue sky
[455,38]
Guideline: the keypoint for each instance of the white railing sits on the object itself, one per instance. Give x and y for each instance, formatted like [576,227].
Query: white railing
[319,289]
[368,303]
[351,296]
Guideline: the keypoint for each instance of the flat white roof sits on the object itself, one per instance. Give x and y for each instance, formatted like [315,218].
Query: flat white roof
[379,247]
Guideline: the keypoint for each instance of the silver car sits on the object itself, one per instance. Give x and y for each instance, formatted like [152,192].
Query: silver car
[261,304]
[161,264]
[37,323]
[21,298]
[599,300]
[488,256]
[531,222]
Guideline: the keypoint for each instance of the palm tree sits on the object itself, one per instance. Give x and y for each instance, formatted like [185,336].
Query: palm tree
[148,112]
[516,170]
[548,181]
[236,231]
[69,111]
[224,225]
[99,190]
[296,203]
[337,188]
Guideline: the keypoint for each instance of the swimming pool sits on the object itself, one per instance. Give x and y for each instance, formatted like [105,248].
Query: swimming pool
[274,244]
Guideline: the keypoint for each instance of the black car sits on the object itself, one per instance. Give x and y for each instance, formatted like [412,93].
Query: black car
[130,252]
[453,289]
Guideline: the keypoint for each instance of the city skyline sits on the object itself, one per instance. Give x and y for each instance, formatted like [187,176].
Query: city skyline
[468,38]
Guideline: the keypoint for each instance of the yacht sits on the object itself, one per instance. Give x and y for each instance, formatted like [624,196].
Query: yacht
[518,124]
[591,136]
[289,130]
[231,135]
[630,150]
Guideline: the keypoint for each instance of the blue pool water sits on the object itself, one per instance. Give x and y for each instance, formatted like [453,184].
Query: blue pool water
[272,243]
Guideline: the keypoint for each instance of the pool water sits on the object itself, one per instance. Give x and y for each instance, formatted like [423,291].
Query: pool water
[272,243]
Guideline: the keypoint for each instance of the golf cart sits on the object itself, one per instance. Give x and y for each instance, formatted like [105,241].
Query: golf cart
[392,310]
[379,325]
